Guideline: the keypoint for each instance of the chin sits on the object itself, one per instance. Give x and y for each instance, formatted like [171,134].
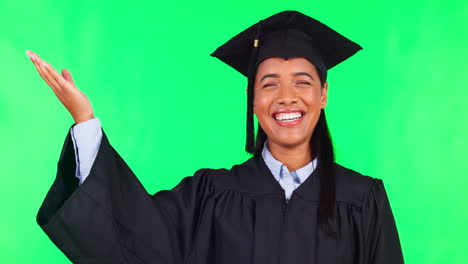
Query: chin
[289,141]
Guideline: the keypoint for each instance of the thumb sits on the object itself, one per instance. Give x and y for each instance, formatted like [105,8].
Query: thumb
[67,75]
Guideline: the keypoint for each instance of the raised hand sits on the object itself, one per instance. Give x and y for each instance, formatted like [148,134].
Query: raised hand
[64,88]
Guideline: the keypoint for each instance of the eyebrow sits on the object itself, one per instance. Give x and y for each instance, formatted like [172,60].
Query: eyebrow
[275,75]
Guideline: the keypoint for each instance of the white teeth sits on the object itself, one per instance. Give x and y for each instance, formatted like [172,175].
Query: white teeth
[288,116]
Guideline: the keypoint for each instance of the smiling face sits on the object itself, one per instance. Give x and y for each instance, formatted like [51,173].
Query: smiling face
[288,97]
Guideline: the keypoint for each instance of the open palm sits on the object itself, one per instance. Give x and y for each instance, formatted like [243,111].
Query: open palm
[64,88]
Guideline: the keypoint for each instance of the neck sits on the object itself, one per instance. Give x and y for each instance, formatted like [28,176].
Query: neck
[294,157]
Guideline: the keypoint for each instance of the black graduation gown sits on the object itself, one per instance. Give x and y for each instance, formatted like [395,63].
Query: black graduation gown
[216,216]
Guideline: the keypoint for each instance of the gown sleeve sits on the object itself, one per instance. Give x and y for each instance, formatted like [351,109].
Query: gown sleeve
[381,240]
[111,218]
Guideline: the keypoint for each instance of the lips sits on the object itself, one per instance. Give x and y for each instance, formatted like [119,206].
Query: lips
[288,117]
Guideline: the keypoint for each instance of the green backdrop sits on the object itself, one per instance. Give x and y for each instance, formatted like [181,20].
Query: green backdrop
[397,109]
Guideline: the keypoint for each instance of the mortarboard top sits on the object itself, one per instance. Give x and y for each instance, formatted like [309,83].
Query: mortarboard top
[287,34]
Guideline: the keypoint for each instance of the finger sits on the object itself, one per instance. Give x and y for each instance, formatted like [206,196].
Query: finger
[35,55]
[30,55]
[48,75]
[50,71]
[67,75]
[40,69]
[43,75]
[36,61]
[56,76]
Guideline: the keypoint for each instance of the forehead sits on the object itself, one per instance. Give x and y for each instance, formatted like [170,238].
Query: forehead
[273,64]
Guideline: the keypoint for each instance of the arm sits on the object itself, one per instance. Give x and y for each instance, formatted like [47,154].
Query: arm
[86,137]
[111,218]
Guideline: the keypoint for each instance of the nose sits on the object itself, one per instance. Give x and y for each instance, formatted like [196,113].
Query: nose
[287,95]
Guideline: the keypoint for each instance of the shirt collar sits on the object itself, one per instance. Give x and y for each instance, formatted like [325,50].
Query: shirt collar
[277,168]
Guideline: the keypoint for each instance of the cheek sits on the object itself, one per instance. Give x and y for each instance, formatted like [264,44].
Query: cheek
[312,99]
[260,104]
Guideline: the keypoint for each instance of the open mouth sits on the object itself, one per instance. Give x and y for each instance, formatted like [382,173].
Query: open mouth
[288,118]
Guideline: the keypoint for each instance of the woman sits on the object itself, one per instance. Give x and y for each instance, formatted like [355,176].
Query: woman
[289,203]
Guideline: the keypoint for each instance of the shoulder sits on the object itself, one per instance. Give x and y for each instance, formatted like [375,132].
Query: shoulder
[209,176]
[232,178]
[353,187]
[245,177]
[221,178]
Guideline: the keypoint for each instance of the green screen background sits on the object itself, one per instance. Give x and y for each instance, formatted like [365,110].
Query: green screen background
[396,110]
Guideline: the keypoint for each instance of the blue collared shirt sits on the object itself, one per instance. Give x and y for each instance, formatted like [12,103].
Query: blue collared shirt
[86,138]
[288,180]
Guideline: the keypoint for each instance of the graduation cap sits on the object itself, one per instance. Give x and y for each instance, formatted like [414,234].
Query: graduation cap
[287,34]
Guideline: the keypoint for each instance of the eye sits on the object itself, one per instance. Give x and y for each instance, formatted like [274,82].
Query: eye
[269,84]
[304,82]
